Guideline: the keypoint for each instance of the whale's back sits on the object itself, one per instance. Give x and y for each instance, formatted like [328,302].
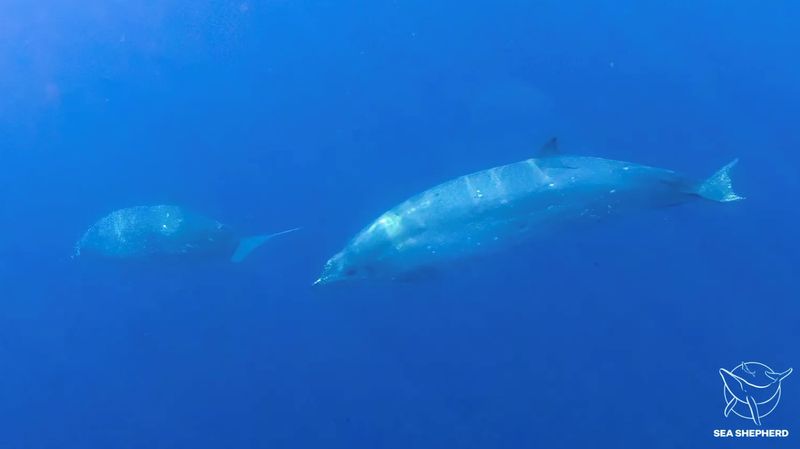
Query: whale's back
[144,231]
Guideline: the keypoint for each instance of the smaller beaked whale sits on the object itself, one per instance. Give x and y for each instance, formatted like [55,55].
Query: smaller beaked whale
[510,204]
[165,231]
[757,385]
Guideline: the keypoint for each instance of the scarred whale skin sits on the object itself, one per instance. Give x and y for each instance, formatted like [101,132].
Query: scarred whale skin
[144,231]
[511,203]
[165,230]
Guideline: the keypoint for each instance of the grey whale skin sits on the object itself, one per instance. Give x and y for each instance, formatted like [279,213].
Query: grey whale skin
[165,230]
[508,204]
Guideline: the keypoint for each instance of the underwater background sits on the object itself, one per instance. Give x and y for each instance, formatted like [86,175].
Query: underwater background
[268,115]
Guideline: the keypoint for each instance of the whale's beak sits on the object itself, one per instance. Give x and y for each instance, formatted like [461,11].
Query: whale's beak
[332,272]
[723,373]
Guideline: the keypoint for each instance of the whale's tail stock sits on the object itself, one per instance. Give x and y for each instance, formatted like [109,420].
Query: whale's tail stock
[249,244]
[719,187]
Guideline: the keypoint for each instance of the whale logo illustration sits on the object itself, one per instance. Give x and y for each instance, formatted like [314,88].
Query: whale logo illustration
[752,390]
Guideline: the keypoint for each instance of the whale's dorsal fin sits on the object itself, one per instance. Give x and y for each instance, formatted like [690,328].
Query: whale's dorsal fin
[548,156]
[549,149]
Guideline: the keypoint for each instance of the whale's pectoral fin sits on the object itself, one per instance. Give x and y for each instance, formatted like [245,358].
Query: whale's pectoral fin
[777,377]
[754,410]
[729,406]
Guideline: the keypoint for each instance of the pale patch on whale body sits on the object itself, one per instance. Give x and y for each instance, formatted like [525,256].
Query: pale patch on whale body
[511,203]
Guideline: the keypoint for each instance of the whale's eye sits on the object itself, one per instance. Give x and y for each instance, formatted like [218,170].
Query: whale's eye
[351,272]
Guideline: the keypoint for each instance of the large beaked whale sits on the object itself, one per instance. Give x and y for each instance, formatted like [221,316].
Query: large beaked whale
[165,230]
[511,203]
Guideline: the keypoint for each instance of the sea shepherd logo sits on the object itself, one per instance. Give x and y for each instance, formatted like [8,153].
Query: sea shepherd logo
[752,391]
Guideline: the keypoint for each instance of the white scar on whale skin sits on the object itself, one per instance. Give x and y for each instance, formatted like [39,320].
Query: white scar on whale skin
[504,205]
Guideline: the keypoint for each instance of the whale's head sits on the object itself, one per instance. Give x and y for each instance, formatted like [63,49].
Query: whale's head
[345,266]
[365,255]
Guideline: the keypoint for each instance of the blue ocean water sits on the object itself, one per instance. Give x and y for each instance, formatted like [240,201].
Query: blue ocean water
[268,115]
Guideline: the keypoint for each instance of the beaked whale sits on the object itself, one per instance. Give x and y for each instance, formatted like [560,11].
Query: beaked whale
[165,231]
[511,203]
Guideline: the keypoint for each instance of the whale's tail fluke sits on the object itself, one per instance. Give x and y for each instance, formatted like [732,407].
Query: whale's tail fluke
[249,244]
[777,377]
[719,187]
